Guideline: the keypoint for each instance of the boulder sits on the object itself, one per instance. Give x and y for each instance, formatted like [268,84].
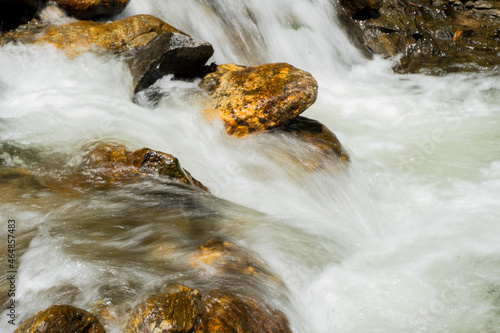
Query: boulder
[432,36]
[170,53]
[318,135]
[225,313]
[92,9]
[177,310]
[14,13]
[61,318]
[256,99]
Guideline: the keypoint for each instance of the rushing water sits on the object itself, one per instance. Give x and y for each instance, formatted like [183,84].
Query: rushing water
[406,240]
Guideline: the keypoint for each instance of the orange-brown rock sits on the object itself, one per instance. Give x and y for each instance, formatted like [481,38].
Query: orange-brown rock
[175,311]
[118,36]
[318,135]
[115,163]
[225,257]
[255,99]
[90,9]
[61,318]
[224,313]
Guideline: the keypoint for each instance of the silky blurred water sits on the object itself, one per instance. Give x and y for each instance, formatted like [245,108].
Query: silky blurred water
[407,239]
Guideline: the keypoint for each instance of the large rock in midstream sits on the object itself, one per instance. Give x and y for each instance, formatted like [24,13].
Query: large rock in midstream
[61,318]
[256,99]
[432,36]
[177,310]
[91,9]
[225,313]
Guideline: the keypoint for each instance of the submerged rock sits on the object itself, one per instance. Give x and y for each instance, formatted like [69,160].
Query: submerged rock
[61,318]
[228,313]
[92,9]
[174,311]
[433,36]
[227,258]
[318,135]
[256,99]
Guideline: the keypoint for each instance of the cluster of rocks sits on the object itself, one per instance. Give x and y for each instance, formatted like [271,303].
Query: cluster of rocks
[433,36]
[179,308]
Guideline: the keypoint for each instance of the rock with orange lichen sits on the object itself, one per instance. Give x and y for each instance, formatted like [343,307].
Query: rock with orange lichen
[227,258]
[177,310]
[224,313]
[61,318]
[91,9]
[256,99]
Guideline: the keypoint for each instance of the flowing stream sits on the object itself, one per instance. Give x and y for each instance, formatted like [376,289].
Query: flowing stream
[407,239]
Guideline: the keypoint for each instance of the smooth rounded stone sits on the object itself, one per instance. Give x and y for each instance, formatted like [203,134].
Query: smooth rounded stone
[177,310]
[433,37]
[14,13]
[61,318]
[91,9]
[256,99]
[225,313]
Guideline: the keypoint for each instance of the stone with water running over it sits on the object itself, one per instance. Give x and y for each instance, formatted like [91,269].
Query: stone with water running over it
[256,99]
[61,318]
[91,9]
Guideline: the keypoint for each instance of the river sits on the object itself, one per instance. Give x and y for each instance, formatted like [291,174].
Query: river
[407,239]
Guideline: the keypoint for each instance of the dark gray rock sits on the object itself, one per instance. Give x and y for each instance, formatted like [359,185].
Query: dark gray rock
[171,53]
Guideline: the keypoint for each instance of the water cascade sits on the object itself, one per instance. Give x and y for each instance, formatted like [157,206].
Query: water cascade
[406,239]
